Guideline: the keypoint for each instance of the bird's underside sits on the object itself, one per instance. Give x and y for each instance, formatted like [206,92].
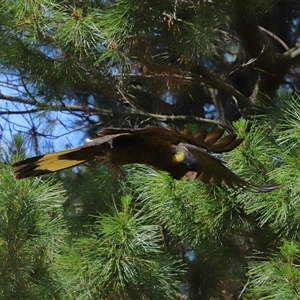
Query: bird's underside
[178,153]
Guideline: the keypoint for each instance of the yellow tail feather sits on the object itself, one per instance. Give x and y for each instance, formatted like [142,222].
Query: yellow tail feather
[52,162]
[48,163]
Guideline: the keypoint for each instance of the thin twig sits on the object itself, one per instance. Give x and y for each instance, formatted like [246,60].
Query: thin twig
[244,289]
[275,37]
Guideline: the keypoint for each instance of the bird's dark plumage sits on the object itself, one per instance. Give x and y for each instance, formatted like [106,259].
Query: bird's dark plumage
[179,154]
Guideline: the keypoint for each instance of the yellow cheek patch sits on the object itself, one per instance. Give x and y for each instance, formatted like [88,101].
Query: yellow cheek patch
[178,156]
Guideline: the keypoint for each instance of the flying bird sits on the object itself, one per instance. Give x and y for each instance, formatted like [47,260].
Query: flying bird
[178,153]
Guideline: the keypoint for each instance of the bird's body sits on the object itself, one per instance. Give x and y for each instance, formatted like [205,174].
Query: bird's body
[168,150]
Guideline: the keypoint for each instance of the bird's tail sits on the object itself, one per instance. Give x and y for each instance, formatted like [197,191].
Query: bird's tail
[49,163]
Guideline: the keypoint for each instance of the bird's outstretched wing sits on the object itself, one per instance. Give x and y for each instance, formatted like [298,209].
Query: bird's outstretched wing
[212,170]
[210,140]
[139,145]
[56,161]
[164,149]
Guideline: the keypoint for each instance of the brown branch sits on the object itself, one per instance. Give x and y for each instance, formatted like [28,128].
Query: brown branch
[44,106]
[275,37]
[210,79]
[293,53]
[214,81]
[19,112]
[244,289]
[166,118]
[98,111]
[18,99]
[127,100]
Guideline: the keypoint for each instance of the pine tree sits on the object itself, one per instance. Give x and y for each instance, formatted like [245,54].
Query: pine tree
[31,229]
[231,243]
[86,65]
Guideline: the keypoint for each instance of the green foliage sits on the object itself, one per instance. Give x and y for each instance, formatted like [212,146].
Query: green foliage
[65,41]
[142,235]
[205,218]
[277,277]
[121,258]
[287,134]
[134,243]
[31,227]
[184,208]
[273,154]
[134,235]
[90,191]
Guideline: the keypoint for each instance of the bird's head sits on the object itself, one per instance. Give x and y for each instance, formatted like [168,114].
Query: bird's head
[183,164]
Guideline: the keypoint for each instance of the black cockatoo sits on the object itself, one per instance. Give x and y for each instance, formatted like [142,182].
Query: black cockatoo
[178,153]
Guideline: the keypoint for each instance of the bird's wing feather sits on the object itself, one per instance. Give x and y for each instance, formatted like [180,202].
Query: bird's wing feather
[212,170]
[48,163]
[212,141]
[105,139]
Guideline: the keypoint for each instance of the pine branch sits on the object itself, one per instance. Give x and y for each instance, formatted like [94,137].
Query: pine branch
[293,53]
[100,111]
[213,80]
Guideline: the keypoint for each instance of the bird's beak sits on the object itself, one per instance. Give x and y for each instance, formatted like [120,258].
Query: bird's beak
[190,175]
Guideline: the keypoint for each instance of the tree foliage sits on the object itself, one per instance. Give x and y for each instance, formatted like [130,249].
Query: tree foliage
[31,228]
[127,62]
[122,258]
[78,66]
